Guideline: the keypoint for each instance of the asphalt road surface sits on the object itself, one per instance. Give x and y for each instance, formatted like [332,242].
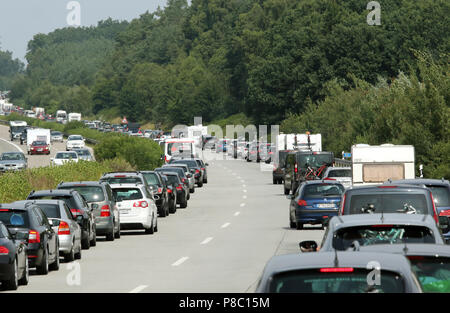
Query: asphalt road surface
[219,243]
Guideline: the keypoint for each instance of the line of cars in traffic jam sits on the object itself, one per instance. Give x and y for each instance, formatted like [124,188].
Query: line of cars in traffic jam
[386,230]
[53,224]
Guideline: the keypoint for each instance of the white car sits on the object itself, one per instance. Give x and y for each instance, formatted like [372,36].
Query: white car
[62,157]
[136,206]
[75,142]
[341,174]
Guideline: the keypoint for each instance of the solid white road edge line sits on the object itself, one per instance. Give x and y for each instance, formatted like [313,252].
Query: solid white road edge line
[13,144]
[138,289]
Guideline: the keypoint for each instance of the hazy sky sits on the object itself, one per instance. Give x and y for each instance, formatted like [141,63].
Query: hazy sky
[20,20]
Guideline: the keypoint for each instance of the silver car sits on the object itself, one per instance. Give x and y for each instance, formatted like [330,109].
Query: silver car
[341,174]
[100,198]
[56,136]
[65,225]
[84,154]
[12,161]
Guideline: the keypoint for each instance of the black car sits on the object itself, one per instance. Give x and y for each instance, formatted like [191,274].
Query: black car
[179,171]
[279,165]
[194,168]
[13,258]
[160,195]
[43,242]
[181,189]
[171,193]
[203,166]
[78,206]
[388,198]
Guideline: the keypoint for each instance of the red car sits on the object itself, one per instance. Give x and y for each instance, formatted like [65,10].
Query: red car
[39,147]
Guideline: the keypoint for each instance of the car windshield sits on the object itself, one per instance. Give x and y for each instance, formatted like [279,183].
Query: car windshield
[152,179]
[122,180]
[367,235]
[340,173]
[12,156]
[51,210]
[179,148]
[315,160]
[14,218]
[317,281]
[83,152]
[123,194]
[66,155]
[441,195]
[75,138]
[389,203]
[433,272]
[39,143]
[90,193]
[323,190]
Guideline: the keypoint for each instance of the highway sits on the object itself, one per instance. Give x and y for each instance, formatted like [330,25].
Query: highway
[219,243]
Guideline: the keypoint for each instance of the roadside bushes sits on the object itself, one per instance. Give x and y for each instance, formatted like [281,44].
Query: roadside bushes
[16,186]
[141,153]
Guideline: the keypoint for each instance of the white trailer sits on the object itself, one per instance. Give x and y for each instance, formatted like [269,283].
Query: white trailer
[61,116]
[299,142]
[37,134]
[74,117]
[39,111]
[196,132]
[376,164]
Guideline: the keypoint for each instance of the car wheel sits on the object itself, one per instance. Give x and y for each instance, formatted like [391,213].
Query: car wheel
[78,254]
[86,243]
[156,226]
[110,235]
[55,265]
[299,226]
[43,268]
[162,212]
[94,239]
[117,234]
[150,230]
[192,190]
[275,181]
[13,282]
[189,196]
[200,184]
[26,276]
[183,205]
[286,191]
[173,207]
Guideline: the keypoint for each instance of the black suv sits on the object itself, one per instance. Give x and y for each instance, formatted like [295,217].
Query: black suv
[155,181]
[388,198]
[305,165]
[194,168]
[203,166]
[279,165]
[181,189]
[43,242]
[78,206]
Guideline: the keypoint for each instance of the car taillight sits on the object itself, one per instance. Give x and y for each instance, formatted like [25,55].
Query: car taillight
[105,211]
[76,211]
[444,213]
[169,190]
[160,190]
[4,250]
[302,203]
[295,168]
[63,228]
[197,171]
[336,270]
[33,236]
[179,187]
[183,180]
[328,178]
[140,204]
[435,215]
[203,168]
[343,204]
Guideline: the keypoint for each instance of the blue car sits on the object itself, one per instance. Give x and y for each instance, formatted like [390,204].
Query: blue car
[221,146]
[314,202]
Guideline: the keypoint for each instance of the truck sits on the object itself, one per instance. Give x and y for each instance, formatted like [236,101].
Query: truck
[16,128]
[300,142]
[74,117]
[373,165]
[61,116]
[37,134]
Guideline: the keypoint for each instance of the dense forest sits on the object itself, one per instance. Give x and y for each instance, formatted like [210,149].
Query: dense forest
[303,64]
[10,69]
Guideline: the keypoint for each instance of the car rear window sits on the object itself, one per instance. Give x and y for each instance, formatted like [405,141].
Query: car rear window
[51,210]
[152,179]
[389,203]
[178,170]
[441,195]
[90,193]
[367,235]
[173,180]
[340,173]
[323,190]
[316,281]
[179,148]
[433,273]
[70,201]
[14,218]
[123,180]
[189,163]
[123,194]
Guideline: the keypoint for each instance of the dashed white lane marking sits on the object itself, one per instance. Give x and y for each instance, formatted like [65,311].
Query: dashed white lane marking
[204,242]
[180,261]
[225,225]
[244,186]
[237,213]
[245,190]
[138,289]
[242,181]
[244,197]
[242,205]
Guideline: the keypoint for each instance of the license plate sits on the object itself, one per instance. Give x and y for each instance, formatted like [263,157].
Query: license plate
[325,205]
[125,211]
[39,149]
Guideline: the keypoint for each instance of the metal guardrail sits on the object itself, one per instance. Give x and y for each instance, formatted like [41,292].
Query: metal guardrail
[342,163]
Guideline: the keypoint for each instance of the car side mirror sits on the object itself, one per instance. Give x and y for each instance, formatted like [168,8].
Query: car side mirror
[206,164]
[308,246]
[79,219]
[444,224]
